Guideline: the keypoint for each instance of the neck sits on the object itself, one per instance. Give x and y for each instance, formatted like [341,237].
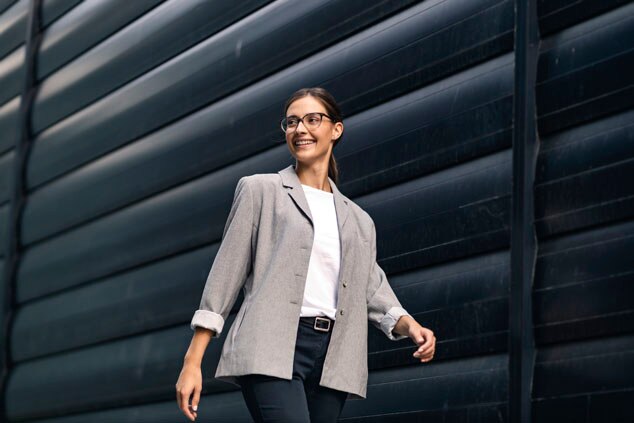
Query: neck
[315,176]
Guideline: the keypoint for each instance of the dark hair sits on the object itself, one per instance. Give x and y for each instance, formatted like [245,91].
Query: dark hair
[330,104]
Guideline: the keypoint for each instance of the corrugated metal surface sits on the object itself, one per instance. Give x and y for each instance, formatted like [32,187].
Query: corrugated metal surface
[148,112]
[584,297]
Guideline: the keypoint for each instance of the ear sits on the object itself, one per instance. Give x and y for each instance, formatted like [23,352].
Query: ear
[337,130]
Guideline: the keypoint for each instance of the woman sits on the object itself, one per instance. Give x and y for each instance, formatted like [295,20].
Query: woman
[305,256]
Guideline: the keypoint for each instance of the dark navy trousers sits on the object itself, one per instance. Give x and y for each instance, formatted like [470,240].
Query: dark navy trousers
[301,399]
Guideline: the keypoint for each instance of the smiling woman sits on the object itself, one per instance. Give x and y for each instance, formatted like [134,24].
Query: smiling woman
[305,256]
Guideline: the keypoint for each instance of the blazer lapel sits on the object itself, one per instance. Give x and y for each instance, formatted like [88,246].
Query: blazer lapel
[293,185]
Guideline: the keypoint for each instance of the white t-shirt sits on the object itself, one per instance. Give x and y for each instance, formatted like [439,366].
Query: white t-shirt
[320,294]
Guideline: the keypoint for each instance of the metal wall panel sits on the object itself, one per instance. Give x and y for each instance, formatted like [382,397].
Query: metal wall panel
[71,35]
[146,115]
[9,113]
[583,299]
[14,19]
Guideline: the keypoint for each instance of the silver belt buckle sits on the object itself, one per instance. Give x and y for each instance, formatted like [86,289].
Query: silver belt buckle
[320,328]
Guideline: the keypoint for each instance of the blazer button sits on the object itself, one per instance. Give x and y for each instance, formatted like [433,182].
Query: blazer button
[341,311]
[345,284]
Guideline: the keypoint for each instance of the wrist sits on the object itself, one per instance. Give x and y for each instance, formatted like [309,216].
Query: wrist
[403,324]
[192,361]
[191,365]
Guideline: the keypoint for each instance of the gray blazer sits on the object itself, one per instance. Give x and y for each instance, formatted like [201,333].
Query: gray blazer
[265,250]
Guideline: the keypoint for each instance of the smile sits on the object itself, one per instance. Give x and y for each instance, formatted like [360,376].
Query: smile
[304,143]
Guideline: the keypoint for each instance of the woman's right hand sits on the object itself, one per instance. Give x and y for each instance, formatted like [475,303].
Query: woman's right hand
[190,381]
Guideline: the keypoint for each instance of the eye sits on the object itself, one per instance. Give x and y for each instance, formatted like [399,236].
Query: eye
[291,121]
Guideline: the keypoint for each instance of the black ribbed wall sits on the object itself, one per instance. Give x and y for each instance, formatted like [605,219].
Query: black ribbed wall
[147,112]
[584,198]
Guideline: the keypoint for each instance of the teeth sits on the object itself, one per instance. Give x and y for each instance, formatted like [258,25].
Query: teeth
[303,142]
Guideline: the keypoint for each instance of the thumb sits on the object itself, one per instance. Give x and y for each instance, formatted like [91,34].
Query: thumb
[418,337]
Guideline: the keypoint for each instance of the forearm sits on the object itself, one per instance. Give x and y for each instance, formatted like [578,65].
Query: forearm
[198,346]
[403,324]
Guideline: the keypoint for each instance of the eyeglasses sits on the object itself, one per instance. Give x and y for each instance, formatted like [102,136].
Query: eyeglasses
[311,121]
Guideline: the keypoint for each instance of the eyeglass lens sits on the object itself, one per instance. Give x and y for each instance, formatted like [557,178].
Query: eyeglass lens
[311,120]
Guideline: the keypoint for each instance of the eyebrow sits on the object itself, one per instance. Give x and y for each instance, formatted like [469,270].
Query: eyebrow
[304,114]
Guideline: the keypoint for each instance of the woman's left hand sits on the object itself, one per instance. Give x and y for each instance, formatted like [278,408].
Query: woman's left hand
[425,340]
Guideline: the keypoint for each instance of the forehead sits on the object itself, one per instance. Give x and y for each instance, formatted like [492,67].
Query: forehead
[305,105]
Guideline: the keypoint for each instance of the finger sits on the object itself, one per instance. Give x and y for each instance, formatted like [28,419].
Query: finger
[424,351]
[430,343]
[425,348]
[185,404]
[426,355]
[194,413]
[181,398]
[196,398]
[428,339]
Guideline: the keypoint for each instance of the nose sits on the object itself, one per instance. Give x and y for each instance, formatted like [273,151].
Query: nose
[301,122]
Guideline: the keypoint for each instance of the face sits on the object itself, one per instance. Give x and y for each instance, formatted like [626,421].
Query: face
[322,138]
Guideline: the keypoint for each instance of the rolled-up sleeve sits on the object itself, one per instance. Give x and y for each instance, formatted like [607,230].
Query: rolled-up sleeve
[231,265]
[384,308]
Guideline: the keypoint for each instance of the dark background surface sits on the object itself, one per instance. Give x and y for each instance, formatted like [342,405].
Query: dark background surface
[147,112]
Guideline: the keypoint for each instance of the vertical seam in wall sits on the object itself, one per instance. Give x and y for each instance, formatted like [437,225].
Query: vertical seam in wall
[523,235]
[18,193]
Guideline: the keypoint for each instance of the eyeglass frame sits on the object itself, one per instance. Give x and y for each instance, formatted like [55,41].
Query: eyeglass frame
[302,120]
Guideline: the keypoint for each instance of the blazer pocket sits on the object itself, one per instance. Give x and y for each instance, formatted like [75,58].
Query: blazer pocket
[238,321]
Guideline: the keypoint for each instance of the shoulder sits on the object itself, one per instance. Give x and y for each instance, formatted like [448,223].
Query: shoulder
[261,182]
[363,216]
[262,187]
[365,223]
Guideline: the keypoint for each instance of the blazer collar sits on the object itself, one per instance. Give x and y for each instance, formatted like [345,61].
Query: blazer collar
[291,181]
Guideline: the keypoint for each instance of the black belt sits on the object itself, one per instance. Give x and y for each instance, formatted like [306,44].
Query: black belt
[320,323]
